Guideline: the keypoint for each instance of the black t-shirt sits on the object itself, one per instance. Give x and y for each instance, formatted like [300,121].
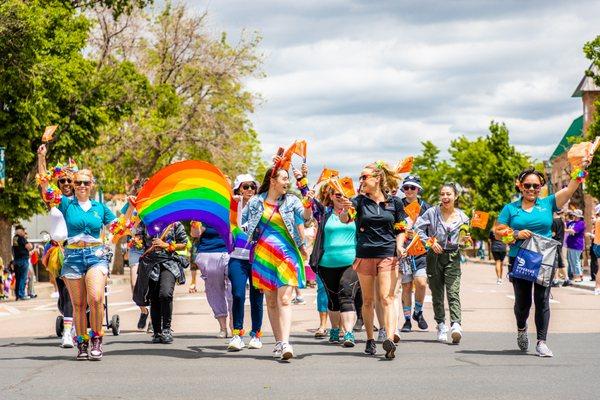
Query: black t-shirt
[558,230]
[498,246]
[18,247]
[375,232]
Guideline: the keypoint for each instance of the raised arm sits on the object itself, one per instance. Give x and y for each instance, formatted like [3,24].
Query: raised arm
[563,195]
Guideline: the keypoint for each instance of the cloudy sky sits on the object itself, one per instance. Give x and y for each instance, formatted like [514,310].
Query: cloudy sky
[367,80]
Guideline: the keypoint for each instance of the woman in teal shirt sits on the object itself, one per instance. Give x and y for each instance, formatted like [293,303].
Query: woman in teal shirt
[85,267]
[527,216]
[333,255]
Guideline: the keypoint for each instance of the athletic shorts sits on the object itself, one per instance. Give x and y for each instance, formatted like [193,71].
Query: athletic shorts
[373,266]
[499,255]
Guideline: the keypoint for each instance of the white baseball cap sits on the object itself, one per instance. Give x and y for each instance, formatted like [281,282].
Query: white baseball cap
[243,178]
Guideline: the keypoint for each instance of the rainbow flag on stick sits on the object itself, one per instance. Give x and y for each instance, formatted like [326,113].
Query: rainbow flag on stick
[183,191]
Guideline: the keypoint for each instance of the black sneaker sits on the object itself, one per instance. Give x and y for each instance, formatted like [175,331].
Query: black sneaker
[167,336]
[371,347]
[142,321]
[156,338]
[390,349]
[407,327]
[420,320]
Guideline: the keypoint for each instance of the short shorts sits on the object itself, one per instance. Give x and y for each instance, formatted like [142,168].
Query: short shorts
[78,261]
[373,266]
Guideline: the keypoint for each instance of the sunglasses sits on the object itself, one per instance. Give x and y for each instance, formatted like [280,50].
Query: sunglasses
[534,186]
[65,180]
[338,195]
[364,177]
[409,187]
[246,187]
[83,183]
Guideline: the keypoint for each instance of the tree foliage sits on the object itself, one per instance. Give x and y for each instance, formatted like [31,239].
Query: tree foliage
[195,105]
[592,52]
[485,168]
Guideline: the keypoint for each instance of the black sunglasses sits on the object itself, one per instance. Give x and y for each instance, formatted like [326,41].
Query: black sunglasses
[65,180]
[84,183]
[246,187]
[338,195]
[534,186]
[409,187]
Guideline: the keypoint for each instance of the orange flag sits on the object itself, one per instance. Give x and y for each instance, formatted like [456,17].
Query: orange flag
[327,174]
[405,165]
[413,210]
[336,185]
[299,148]
[49,133]
[480,219]
[416,248]
[582,151]
[348,187]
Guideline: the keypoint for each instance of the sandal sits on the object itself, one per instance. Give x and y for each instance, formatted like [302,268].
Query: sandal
[320,333]
[193,289]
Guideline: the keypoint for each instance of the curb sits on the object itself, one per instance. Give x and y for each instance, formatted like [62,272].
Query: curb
[587,285]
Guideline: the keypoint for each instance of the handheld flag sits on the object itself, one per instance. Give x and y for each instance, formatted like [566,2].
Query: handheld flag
[327,174]
[405,166]
[347,187]
[416,248]
[413,210]
[480,219]
[49,133]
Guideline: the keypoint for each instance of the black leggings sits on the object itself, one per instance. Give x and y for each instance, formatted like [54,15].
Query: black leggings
[64,299]
[541,298]
[161,300]
[341,285]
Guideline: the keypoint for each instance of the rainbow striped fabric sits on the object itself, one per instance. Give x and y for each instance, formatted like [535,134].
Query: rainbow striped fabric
[277,261]
[184,191]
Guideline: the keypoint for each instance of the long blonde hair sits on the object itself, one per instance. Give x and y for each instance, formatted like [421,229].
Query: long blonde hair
[388,179]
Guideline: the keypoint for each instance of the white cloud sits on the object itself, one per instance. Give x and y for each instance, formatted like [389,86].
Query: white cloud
[364,80]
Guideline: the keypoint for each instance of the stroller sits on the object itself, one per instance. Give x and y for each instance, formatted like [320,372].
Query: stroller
[113,323]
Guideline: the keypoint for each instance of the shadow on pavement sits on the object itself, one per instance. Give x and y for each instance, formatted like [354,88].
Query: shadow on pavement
[506,352]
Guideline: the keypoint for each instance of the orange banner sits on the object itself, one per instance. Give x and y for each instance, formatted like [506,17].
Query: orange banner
[327,174]
[416,248]
[405,166]
[299,148]
[413,210]
[348,187]
[480,219]
[49,133]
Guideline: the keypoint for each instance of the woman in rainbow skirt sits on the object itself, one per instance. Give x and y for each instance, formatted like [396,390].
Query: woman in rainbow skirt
[275,227]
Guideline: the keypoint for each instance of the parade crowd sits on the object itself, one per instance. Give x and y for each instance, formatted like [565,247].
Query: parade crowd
[360,249]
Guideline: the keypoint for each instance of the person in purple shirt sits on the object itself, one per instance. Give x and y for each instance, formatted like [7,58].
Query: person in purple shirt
[575,241]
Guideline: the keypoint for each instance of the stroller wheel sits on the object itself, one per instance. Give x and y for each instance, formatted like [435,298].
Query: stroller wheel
[59,325]
[114,325]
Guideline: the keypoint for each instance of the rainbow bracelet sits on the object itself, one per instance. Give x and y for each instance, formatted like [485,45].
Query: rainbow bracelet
[579,175]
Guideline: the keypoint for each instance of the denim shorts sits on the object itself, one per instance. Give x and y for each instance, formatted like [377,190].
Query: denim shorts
[413,267]
[79,260]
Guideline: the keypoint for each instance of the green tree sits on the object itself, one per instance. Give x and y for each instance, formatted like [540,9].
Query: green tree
[592,51]
[45,79]
[432,171]
[487,167]
[197,108]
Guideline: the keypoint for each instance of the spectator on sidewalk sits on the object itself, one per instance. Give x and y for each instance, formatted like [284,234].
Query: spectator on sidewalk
[558,234]
[20,249]
[498,248]
[595,247]
[575,244]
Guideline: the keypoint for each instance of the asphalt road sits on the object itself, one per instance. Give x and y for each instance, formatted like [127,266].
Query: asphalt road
[196,366]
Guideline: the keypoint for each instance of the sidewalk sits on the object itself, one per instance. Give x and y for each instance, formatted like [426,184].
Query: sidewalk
[586,284]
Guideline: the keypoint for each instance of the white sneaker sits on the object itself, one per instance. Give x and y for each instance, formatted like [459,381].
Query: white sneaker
[277,350]
[255,343]
[287,351]
[67,340]
[442,332]
[236,343]
[499,282]
[381,335]
[542,350]
[456,333]
[222,334]
[54,295]
[597,292]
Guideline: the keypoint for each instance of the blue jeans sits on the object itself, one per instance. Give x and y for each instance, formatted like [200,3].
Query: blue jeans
[574,261]
[79,260]
[322,298]
[21,271]
[240,272]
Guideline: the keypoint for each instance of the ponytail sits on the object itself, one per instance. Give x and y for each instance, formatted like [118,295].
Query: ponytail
[389,180]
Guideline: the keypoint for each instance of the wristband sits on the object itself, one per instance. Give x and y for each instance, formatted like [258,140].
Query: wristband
[302,183]
[306,202]
[579,175]
[171,247]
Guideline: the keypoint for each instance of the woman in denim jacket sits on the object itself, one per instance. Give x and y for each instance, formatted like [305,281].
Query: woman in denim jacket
[275,226]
